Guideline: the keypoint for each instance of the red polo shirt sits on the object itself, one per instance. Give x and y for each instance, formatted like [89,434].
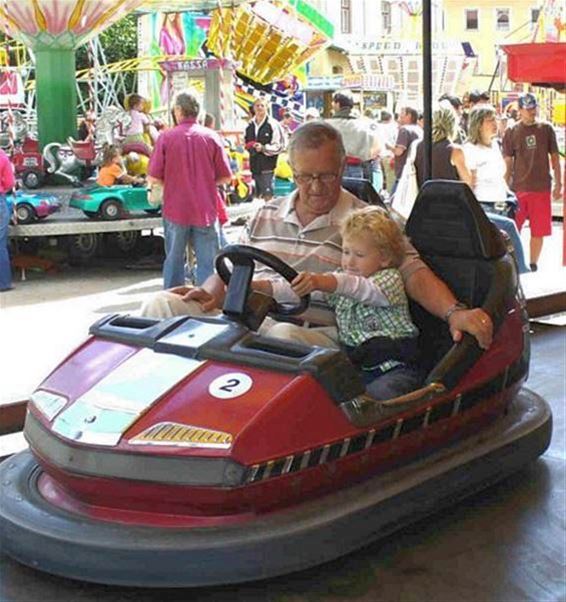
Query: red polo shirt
[189,158]
[7,179]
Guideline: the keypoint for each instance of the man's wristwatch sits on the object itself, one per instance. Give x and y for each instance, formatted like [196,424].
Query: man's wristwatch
[456,307]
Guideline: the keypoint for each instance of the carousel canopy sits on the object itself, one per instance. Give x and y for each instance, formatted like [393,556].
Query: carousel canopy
[60,24]
[269,39]
[66,24]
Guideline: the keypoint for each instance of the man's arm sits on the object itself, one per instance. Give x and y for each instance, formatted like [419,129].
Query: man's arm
[432,293]
[557,189]
[508,170]
[277,144]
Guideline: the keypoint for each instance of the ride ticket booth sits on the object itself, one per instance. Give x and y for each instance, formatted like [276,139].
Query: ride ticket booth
[211,80]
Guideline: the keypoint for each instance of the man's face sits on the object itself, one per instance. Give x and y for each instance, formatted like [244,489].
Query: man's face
[404,118]
[318,196]
[528,116]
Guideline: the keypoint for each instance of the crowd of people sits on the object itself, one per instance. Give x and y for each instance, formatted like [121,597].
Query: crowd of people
[505,159]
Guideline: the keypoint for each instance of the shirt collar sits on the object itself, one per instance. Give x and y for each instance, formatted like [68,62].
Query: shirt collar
[335,216]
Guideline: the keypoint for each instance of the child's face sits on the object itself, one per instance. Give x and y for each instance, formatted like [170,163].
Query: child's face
[361,257]
[117,159]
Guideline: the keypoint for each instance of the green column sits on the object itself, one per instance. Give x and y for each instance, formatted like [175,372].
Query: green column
[56,95]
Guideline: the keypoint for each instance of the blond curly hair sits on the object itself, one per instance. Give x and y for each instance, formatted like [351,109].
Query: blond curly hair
[380,226]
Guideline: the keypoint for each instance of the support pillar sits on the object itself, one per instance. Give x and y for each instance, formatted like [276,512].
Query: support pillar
[56,95]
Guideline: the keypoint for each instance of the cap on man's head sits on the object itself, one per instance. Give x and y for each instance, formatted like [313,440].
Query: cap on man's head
[528,101]
[344,98]
[476,96]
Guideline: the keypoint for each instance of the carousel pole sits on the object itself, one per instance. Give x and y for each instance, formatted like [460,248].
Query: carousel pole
[427,88]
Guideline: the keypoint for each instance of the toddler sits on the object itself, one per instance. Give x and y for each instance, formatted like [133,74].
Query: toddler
[112,170]
[369,299]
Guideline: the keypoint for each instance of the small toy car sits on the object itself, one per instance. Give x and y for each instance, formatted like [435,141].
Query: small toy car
[111,202]
[32,206]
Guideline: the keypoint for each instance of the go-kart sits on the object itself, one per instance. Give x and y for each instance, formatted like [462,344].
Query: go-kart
[111,202]
[197,451]
[33,206]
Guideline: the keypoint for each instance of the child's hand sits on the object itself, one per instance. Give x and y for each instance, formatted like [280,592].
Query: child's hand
[304,283]
[307,282]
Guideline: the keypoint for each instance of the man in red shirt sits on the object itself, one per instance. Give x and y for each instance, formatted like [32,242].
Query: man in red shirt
[526,149]
[190,161]
[7,183]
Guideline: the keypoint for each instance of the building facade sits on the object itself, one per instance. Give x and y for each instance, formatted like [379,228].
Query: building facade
[486,25]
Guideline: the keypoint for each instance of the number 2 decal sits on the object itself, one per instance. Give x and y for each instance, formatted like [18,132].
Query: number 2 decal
[230,385]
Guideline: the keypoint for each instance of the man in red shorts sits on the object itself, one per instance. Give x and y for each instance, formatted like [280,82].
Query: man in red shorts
[526,148]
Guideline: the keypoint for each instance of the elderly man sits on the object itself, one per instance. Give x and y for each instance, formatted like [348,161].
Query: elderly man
[303,230]
[190,161]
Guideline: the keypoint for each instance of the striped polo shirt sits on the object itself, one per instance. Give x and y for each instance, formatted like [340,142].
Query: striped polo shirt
[316,247]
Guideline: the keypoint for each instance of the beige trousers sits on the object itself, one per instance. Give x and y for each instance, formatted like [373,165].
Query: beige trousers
[167,305]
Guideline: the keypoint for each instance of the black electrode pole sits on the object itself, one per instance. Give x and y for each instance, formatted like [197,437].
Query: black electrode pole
[427,89]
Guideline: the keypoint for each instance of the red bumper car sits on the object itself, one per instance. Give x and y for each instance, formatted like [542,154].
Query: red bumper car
[190,452]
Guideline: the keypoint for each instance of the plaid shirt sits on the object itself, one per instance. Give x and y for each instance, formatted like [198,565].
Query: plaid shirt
[358,323]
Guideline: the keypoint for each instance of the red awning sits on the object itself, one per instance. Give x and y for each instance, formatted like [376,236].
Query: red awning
[538,64]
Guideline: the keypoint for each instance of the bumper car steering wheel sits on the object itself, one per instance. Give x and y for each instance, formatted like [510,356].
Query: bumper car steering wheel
[237,303]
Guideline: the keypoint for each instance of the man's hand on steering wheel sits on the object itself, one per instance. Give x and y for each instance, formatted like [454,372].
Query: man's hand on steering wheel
[207,301]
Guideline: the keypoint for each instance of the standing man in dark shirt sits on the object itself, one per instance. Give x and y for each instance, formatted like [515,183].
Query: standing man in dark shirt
[265,140]
[526,149]
[408,132]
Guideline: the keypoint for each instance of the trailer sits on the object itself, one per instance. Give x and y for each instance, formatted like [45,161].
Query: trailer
[84,238]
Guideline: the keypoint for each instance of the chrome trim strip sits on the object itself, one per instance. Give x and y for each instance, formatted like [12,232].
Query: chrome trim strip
[427,416]
[305,460]
[456,407]
[345,446]
[397,430]
[253,473]
[324,454]
[370,438]
[287,465]
[268,469]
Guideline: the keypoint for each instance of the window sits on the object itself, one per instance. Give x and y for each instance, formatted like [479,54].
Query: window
[502,19]
[472,19]
[386,16]
[535,14]
[346,16]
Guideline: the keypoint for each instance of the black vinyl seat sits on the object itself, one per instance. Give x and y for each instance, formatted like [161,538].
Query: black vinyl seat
[459,243]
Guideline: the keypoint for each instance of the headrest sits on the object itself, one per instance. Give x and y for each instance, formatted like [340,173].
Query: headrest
[447,220]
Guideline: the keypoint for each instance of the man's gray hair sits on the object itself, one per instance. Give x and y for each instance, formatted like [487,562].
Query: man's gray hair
[313,135]
[188,104]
